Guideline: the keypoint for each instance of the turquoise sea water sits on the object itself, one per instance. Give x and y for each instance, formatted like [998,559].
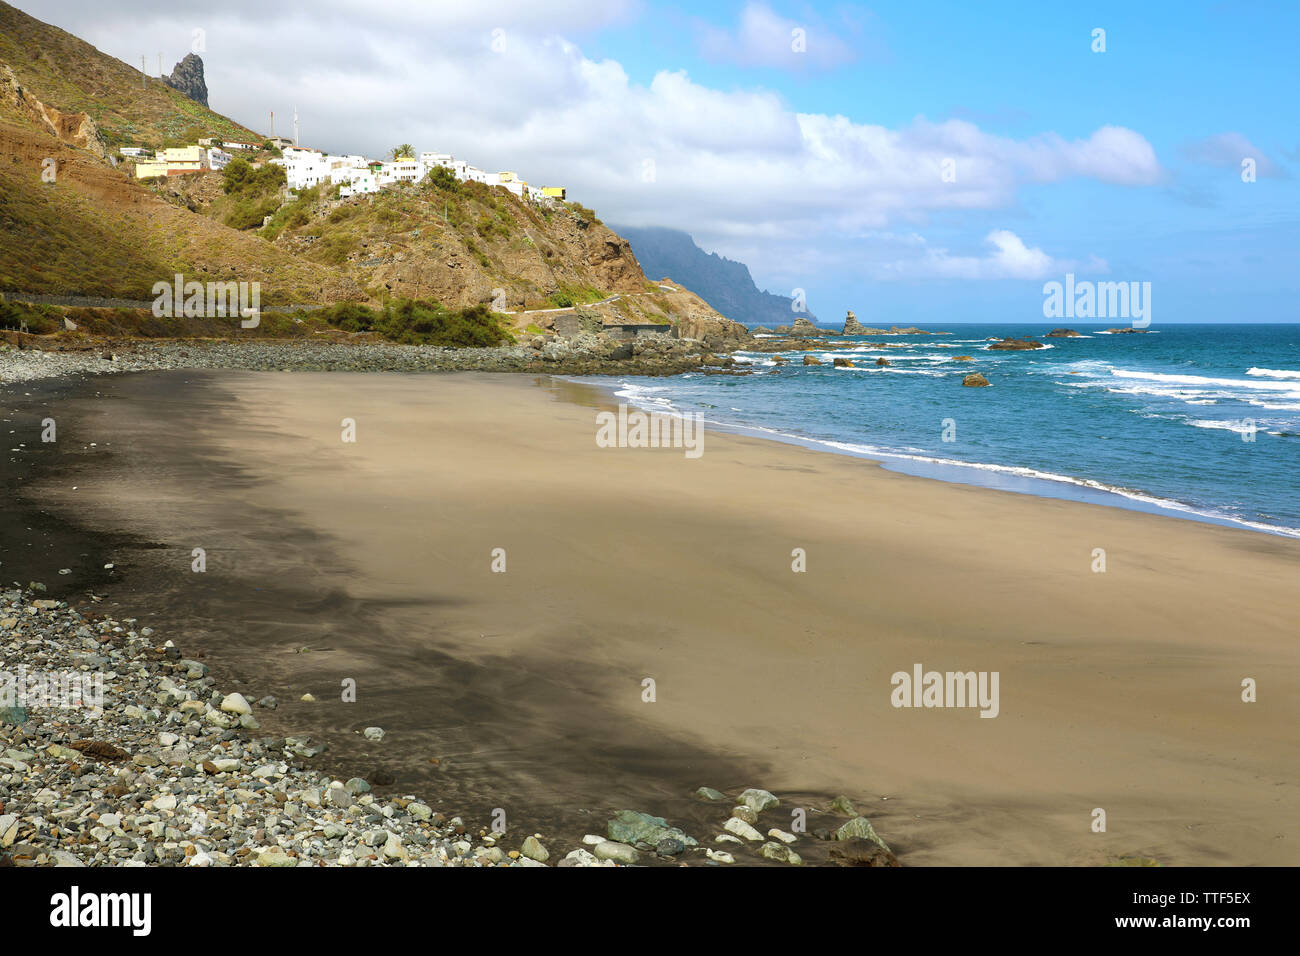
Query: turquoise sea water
[1156,421]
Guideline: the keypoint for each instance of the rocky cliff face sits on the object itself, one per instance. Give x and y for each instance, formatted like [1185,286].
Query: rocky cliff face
[187,77]
[74,129]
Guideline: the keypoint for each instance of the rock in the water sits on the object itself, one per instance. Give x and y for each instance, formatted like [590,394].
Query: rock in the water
[882,361]
[373,733]
[852,326]
[670,847]
[759,800]
[743,812]
[1062,334]
[742,829]
[963,358]
[855,851]
[842,363]
[975,380]
[1016,345]
[860,827]
[533,849]
[618,852]
[628,826]
[811,360]
[780,853]
[803,327]
[720,856]
[708,793]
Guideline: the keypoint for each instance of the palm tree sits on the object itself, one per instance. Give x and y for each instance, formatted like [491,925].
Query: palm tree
[404,151]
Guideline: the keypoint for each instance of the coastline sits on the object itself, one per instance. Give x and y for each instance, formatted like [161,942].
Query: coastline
[990,565]
[1016,479]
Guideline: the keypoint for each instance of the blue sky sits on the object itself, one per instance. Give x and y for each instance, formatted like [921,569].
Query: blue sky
[1177,73]
[822,169]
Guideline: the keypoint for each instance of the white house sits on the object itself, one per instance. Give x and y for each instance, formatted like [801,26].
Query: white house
[216,158]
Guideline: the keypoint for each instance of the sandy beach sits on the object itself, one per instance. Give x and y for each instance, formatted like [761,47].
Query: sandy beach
[373,561]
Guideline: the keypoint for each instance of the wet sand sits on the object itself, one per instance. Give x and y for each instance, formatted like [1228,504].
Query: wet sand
[1118,690]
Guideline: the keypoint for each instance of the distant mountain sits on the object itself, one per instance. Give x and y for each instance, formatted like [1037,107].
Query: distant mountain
[724,284]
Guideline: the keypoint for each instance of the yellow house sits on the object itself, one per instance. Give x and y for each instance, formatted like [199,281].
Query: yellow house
[555,192]
[150,168]
[178,156]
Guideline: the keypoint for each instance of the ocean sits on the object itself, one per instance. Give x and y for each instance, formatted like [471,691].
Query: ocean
[1199,421]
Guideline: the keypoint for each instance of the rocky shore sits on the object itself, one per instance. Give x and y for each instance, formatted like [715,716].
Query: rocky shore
[583,355]
[135,757]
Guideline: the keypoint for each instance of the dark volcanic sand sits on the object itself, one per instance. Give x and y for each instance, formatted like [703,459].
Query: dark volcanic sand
[467,735]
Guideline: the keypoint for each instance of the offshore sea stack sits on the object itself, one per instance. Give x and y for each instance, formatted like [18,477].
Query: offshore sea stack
[1016,345]
[852,326]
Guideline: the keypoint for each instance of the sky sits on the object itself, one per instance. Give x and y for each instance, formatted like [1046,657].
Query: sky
[911,161]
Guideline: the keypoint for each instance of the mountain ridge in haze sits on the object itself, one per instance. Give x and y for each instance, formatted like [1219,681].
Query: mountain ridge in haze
[724,283]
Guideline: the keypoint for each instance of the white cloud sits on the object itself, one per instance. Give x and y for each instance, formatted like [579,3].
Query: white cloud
[1009,258]
[1229,149]
[765,39]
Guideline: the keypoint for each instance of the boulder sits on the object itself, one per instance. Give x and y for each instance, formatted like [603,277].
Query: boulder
[859,827]
[759,800]
[803,327]
[842,363]
[811,360]
[617,852]
[628,826]
[975,380]
[1062,334]
[857,851]
[963,358]
[780,853]
[533,849]
[882,361]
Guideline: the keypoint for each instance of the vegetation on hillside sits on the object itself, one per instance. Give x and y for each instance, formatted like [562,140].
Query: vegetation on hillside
[254,193]
[416,322]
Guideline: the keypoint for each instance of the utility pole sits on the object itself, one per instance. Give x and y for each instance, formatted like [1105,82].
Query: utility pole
[272,124]
[143,74]
[295,126]
[160,66]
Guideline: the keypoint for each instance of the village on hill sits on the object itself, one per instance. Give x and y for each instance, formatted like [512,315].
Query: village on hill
[306,168]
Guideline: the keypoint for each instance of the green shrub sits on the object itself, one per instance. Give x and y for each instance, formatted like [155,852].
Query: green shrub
[418,322]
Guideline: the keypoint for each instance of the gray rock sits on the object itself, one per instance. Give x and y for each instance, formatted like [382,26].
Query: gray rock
[759,800]
[860,827]
[629,826]
[617,852]
[534,850]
